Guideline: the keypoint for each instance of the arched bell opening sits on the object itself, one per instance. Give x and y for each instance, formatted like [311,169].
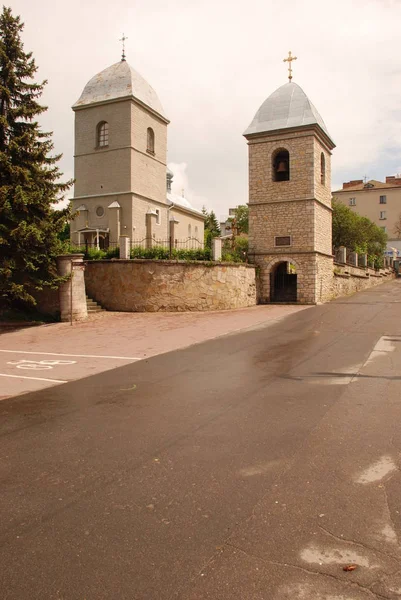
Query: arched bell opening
[283,283]
[281,165]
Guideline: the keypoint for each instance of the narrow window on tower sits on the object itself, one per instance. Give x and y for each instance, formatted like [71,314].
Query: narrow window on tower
[102,134]
[322,169]
[281,165]
[151,141]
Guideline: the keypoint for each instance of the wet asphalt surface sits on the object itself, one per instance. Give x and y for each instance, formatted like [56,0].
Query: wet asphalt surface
[254,466]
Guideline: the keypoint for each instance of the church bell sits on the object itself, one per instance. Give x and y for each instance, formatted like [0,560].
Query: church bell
[282,167]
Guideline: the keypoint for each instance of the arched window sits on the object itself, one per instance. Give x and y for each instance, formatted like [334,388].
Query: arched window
[151,141]
[281,165]
[322,169]
[189,230]
[102,134]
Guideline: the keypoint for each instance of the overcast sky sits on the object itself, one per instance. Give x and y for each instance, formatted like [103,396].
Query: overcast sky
[212,64]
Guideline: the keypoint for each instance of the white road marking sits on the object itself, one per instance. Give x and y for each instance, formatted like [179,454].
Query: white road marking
[39,365]
[326,556]
[34,378]
[76,355]
[377,470]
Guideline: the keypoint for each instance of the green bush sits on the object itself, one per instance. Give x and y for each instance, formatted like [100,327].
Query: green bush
[161,253]
[95,254]
[113,252]
[235,250]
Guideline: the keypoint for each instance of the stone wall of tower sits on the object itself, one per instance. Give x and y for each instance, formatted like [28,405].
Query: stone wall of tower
[299,208]
[262,187]
[102,170]
[140,207]
[322,224]
[322,192]
[148,171]
[289,218]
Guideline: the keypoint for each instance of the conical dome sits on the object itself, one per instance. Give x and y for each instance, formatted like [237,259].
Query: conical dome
[119,81]
[286,108]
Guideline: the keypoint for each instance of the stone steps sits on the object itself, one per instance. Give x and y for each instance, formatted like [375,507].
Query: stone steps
[92,306]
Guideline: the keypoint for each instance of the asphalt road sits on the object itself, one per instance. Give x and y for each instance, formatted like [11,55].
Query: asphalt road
[254,466]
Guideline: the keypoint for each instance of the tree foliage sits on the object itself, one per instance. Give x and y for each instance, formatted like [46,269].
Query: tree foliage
[357,233]
[212,227]
[241,220]
[29,176]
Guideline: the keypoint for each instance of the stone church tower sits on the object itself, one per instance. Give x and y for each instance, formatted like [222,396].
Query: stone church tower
[290,221]
[120,158]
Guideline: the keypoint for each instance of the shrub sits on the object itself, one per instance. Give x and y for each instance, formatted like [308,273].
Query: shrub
[161,253]
[236,249]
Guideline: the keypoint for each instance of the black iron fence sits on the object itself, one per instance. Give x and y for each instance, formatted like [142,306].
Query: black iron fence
[190,243]
[151,248]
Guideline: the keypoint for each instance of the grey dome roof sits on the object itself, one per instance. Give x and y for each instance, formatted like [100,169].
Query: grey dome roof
[287,107]
[119,81]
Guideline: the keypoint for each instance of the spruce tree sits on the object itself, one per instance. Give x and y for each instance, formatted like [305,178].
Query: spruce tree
[29,177]
[213,224]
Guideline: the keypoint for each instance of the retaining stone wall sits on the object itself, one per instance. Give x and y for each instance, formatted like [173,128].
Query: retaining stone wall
[176,286]
[348,280]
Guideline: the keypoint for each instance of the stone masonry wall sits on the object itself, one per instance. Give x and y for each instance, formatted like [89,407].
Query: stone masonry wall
[348,280]
[323,229]
[293,219]
[262,188]
[322,192]
[305,265]
[146,285]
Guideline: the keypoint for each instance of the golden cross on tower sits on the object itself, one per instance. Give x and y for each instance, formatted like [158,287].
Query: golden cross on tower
[289,60]
[123,41]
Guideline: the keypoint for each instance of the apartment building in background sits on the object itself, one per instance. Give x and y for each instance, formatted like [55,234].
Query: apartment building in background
[380,202]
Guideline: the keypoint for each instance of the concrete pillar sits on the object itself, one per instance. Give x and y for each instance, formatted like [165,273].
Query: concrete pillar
[353,258]
[216,248]
[151,216]
[341,255]
[124,247]
[172,229]
[114,222]
[72,292]
[363,260]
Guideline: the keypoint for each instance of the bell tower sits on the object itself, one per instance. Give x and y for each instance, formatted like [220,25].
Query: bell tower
[290,221]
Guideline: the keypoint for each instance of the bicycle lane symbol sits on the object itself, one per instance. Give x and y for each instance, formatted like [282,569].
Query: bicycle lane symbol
[40,365]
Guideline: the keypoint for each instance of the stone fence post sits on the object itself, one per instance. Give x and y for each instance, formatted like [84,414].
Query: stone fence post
[216,248]
[341,255]
[353,258]
[124,247]
[72,292]
[363,260]
[173,222]
[151,216]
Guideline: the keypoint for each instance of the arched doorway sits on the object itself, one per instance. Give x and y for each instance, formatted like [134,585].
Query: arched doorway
[283,283]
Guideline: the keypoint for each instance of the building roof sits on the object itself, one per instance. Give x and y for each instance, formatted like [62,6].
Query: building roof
[183,203]
[360,186]
[119,81]
[286,108]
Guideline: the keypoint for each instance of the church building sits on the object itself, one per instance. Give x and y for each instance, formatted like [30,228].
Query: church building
[290,215]
[122,184]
